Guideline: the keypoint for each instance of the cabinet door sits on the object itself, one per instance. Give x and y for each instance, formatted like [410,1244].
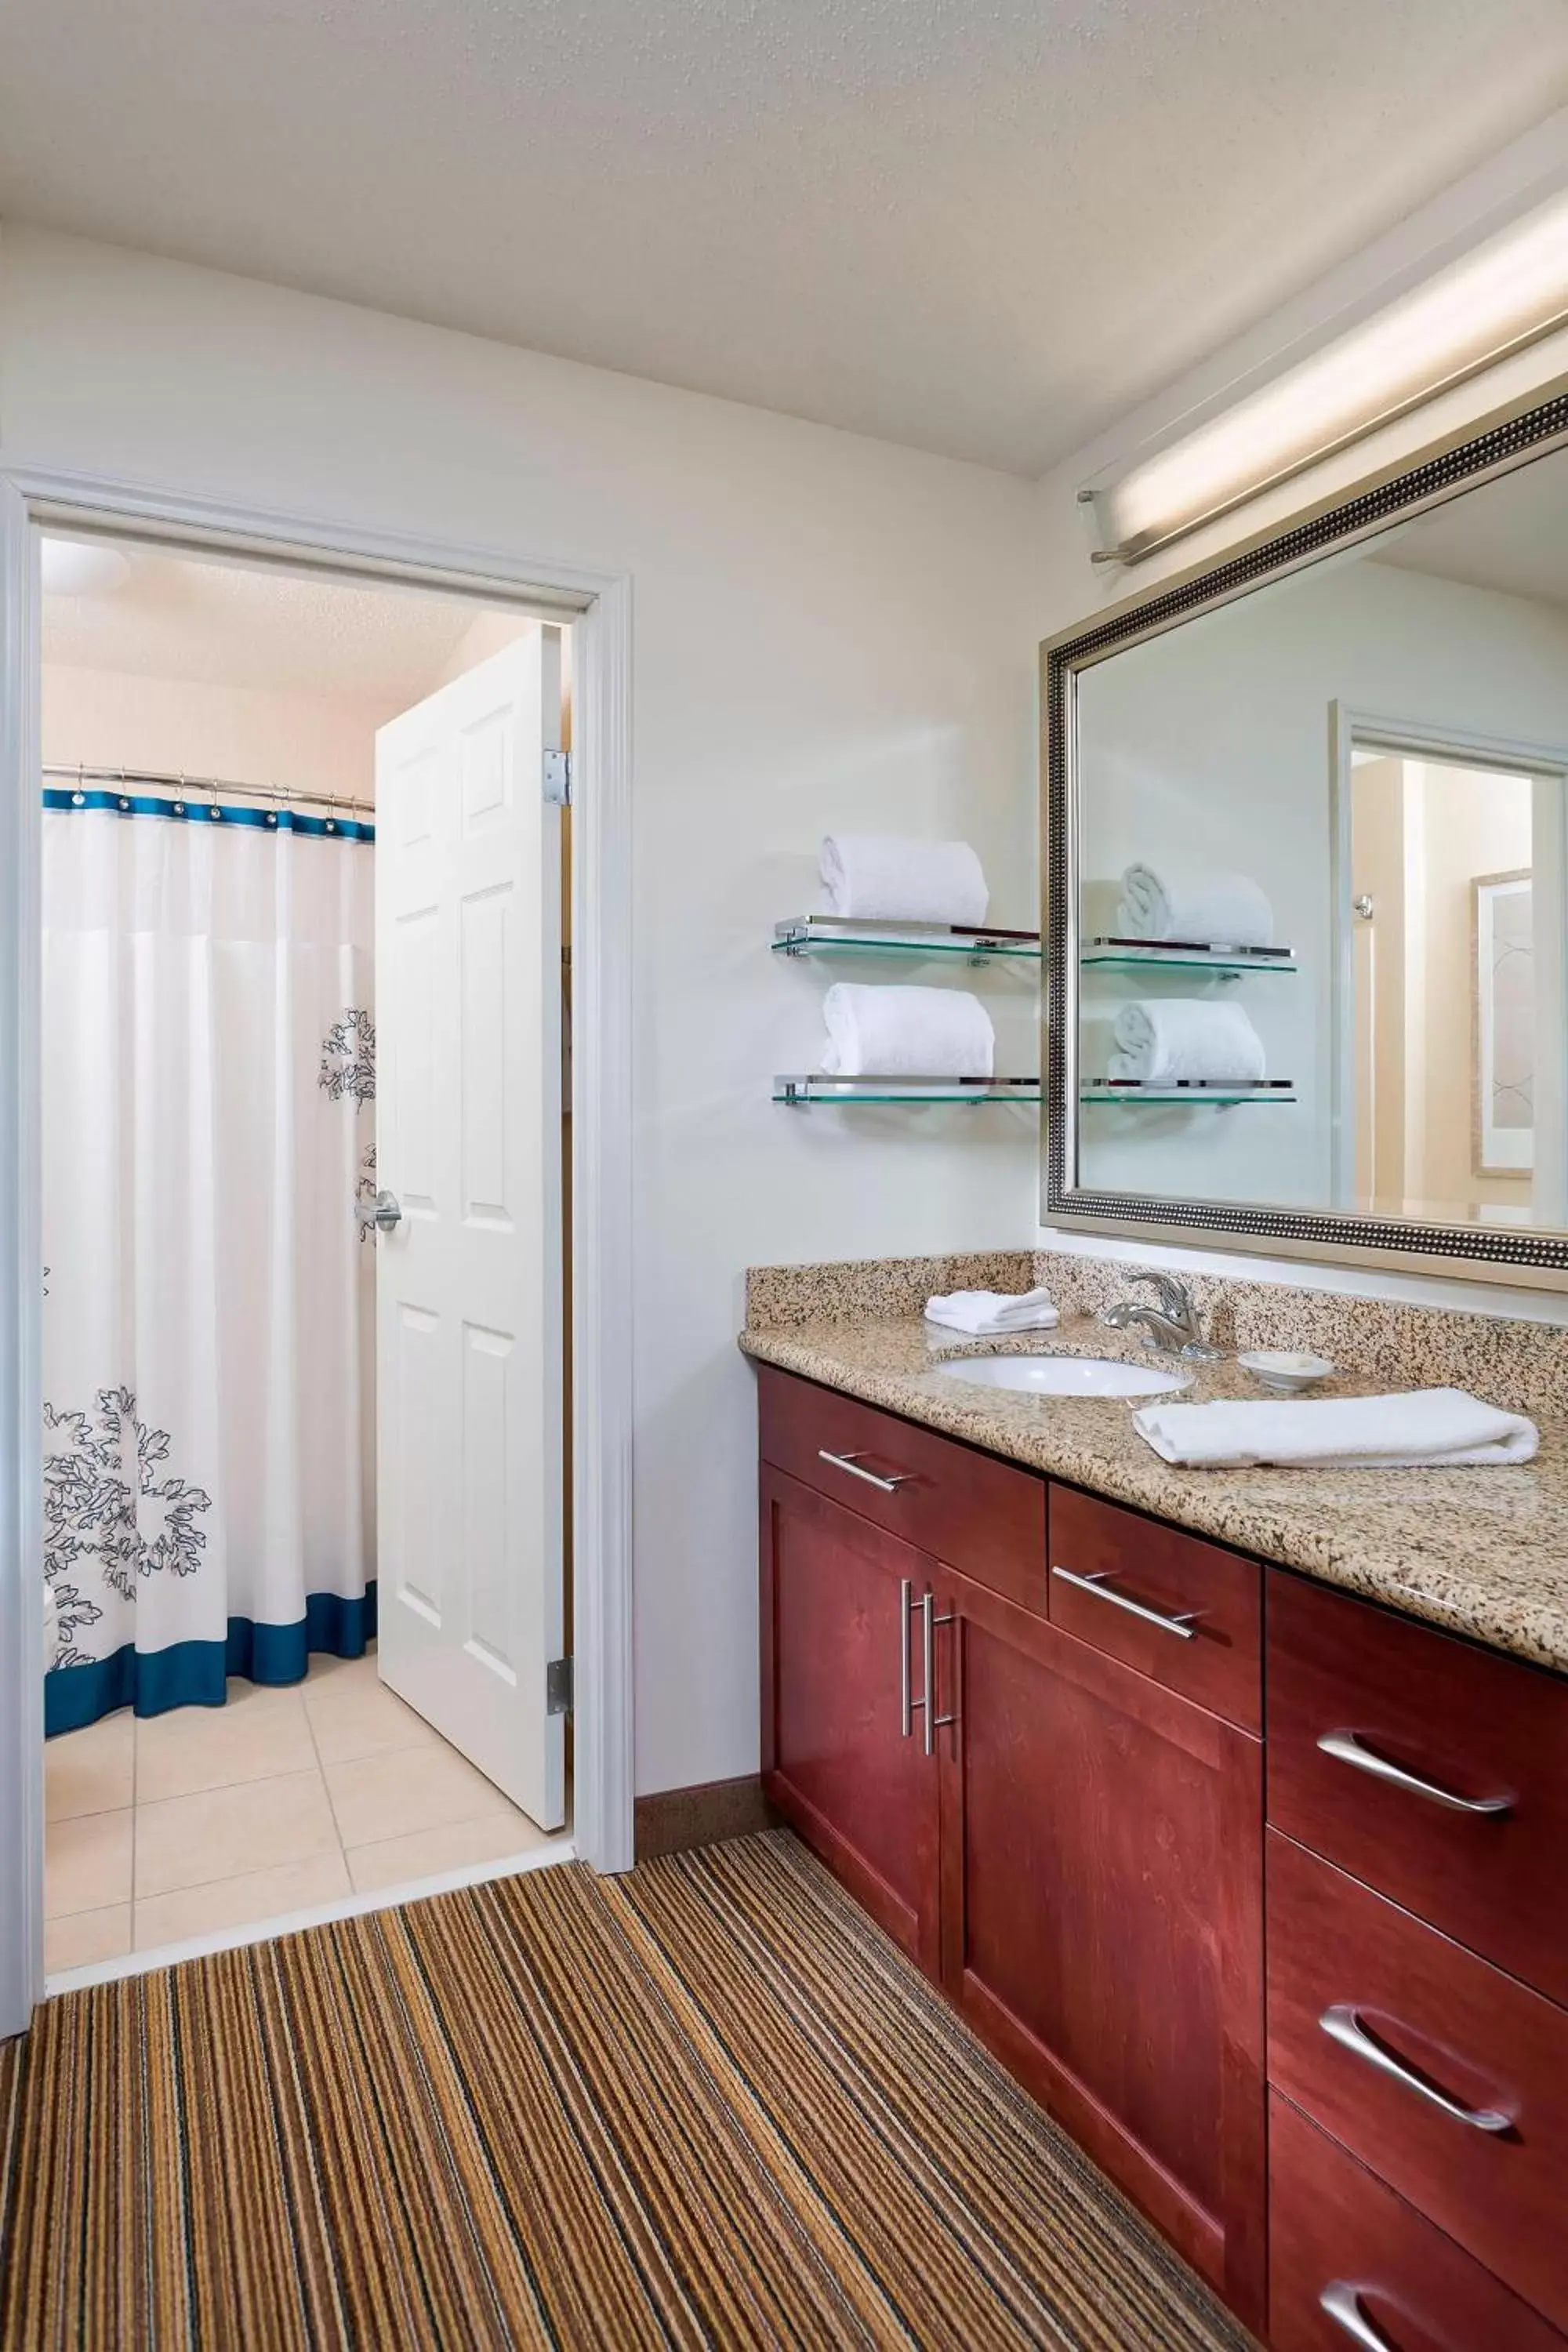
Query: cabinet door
[843,1751]
[1102,1916]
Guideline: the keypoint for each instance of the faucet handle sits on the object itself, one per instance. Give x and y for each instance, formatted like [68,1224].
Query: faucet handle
[1173,1297]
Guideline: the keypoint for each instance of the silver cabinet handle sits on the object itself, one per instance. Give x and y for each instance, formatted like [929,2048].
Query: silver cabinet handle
[1348,1746]
[929,1620]
[906,1697]
[1182,1625]
[385,1211]
[1342,2304]
[851,1461]
[1343,2024]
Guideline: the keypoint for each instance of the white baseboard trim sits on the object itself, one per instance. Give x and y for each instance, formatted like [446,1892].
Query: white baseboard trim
[320,1915]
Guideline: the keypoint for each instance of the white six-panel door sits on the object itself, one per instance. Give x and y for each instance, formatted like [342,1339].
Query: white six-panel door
[470,1361]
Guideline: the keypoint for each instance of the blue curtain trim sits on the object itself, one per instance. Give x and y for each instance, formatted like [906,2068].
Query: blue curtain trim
[194,1674]
[193,812]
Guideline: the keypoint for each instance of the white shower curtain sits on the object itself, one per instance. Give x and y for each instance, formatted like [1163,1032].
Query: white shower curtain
[209,1310]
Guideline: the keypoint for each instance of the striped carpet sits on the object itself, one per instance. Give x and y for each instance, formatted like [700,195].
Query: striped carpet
[707,2103]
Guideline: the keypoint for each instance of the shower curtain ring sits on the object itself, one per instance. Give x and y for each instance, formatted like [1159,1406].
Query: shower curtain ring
[180,803]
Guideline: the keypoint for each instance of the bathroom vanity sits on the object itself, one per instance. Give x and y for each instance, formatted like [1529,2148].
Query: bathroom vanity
[1255,1884]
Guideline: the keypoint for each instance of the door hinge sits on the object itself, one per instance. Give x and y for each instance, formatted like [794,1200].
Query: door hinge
[558,1686]
[558,779]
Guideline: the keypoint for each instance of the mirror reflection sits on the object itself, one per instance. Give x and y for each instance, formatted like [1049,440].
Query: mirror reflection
[1320,855]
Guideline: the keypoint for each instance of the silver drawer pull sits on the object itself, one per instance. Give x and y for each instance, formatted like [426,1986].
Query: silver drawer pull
[929,1620]
[1182,1625]
[906,1695]
[1347,1746]
[851,1461]
[1343,2024]
[1342,2304]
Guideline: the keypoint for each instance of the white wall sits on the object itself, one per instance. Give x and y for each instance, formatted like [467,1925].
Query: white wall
[828,631]
[1209,748]
[255,735]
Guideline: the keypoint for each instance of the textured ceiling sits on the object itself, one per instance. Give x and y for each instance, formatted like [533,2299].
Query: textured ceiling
[981,226]
[228,624]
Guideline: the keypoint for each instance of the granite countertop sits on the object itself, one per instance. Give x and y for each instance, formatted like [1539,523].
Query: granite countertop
[1481,1552]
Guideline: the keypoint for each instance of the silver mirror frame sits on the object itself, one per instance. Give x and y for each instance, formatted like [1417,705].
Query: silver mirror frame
[1506,441]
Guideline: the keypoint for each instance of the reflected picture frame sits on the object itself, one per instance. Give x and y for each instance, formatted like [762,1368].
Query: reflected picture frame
[1519,434]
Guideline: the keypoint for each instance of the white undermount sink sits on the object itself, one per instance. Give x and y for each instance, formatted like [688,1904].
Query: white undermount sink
[1086,1376]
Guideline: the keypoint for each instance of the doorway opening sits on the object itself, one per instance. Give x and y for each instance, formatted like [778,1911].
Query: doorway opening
[306,1209]
[1452,1032]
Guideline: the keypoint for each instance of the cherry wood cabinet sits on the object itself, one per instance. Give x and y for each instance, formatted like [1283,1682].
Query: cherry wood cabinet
[1055,1805]
[1101,1916]
[1469,1829]
[838,1760]
[1447,2078]
[1342,2247]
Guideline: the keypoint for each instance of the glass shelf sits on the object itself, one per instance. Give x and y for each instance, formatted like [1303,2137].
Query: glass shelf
[1189,1095]
[840,935]
[813,1087]
[1178,955]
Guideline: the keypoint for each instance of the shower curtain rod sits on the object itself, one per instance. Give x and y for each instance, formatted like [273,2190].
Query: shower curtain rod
[213,787]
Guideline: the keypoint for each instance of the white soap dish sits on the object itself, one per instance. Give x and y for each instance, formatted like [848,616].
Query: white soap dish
[1285,1368]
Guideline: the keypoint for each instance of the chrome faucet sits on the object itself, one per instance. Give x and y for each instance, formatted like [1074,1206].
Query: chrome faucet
[1173,1325]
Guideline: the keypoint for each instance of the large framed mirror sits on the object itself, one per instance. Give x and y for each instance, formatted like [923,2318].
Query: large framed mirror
[1305,825]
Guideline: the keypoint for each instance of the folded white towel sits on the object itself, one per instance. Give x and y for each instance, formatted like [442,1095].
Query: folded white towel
[906,1033]
[1163,1038]
[1206,911]
[881,878]
[1438,1429]
[984,1314]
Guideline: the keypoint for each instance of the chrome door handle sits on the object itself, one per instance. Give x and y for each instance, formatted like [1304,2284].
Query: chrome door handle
[385,1211]
[1347,1746]
[929,1620]
[1341,2023]
[906,1697]
[1342,2304]
[851,1461]
[1180,1625]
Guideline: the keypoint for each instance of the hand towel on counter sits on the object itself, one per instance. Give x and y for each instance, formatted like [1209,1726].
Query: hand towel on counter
[988,1314]
[1434,1429]
[1208,910]
[884,878]
[1163,1038]
[906,1033]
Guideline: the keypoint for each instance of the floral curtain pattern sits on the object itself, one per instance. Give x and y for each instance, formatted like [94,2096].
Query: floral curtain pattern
[209,1318]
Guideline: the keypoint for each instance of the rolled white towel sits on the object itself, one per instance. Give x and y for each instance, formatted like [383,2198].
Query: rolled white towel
[984,1314]
[882,878]
[1163,1038]
[906,1033]
[1437,1429]
[1206,911]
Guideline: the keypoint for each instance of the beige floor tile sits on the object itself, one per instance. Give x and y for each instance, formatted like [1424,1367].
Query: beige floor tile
[221,1833]
[393,1862]
[258,1734]
[241,1902]
[91,1770]
[87,1862]
[323,1668]
[83,1937]
[356,1715]
[377,1797]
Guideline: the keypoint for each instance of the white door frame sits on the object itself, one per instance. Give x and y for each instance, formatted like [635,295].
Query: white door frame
[1407,739]
[598,605]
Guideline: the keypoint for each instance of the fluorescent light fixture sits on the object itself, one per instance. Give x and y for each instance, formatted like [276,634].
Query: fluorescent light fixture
[1506,293]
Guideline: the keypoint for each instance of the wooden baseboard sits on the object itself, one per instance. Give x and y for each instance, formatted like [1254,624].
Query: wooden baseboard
[674,1819]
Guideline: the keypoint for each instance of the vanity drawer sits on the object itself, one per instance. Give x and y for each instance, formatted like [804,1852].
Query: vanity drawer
[1440,2019]
[979,1515]
[1468,1724]
[1142,1565]
[1336,2232]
